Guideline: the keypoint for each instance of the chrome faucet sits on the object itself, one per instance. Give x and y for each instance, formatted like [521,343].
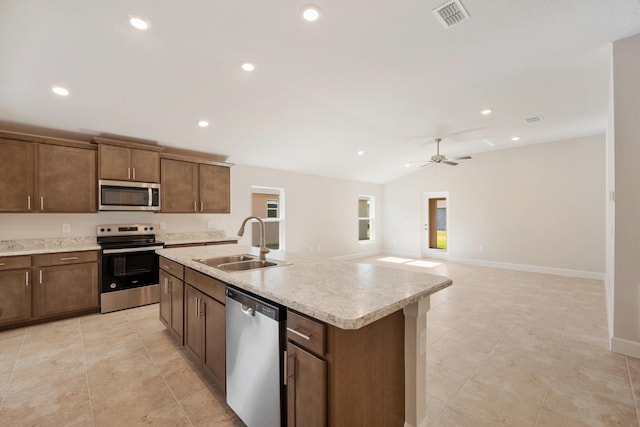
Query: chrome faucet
[263,248]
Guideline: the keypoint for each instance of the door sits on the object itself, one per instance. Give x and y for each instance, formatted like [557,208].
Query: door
[67,179]
[15,296]
[435,214]
[145,166]
[194,324]
[176,286]
[67,288]
[179,186]
[214,189]
[115,162]
[165,298]
[215,329]
[16,176]
[306,388]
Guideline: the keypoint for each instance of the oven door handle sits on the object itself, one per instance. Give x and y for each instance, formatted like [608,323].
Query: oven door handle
[128,250]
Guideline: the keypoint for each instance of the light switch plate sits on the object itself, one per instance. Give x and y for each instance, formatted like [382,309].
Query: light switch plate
[66,228]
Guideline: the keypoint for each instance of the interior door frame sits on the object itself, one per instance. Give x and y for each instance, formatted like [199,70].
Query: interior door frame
[426,251]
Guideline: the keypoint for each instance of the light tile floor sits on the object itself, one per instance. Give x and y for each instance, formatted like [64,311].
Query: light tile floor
[505,348]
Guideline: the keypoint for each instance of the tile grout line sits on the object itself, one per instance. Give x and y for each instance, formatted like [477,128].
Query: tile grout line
[86,375]
[633,393]
[468,377]
[13,369]
[159,371]
[555,359]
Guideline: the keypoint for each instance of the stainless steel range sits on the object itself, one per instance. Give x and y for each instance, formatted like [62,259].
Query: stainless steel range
[129,266]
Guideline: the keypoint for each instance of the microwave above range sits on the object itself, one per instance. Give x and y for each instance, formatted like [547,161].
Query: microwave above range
[128,196]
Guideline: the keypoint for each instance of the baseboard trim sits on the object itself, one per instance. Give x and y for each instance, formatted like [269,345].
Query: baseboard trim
[356,255]
[531,268]
[626,347]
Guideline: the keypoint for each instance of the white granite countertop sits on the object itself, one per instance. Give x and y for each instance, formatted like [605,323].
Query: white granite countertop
[193,237]
[345,294]
[46,246]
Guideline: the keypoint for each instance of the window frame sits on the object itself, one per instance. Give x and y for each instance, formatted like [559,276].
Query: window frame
[371,218]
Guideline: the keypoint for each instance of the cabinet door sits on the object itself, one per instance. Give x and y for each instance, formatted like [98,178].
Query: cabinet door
[214,189]
[306,388]
[67,288]
[115,162]
[165,299]
[215,340]
[194,321]
[145,166]
[67,179]
[16,176]
[15,296]
[179,186]
[177,306]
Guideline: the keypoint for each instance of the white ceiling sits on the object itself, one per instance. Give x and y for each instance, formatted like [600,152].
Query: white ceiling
[381,76]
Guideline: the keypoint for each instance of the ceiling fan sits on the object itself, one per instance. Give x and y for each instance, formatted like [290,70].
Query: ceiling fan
[441,158]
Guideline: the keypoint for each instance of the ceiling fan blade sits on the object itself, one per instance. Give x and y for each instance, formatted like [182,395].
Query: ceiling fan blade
[449,162]
[462,158]
[428,164]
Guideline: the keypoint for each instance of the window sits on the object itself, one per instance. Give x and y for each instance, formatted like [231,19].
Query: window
[366,214]
[268,204]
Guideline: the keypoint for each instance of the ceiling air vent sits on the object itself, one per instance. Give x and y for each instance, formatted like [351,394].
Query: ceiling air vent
[533,119]
[451,13]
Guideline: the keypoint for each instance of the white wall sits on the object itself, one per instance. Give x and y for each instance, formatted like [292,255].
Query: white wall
[626,241]
[321,214]
[539,205]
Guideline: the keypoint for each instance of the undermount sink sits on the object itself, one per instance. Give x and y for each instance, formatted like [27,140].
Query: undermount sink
[239,262]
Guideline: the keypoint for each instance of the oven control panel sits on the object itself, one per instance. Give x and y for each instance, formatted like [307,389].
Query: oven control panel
[125,229]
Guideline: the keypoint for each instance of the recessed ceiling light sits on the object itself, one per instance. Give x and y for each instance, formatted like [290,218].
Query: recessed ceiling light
[360,153]
[203,123]
[247,66]
[515,138]
[486,111]
[138,23]
[407,165]
[310,12]
[59,90]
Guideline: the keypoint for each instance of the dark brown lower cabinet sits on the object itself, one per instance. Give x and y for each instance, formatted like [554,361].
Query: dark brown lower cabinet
[172,304]
[15,295]
[204,332]
[306,388]
[66,283]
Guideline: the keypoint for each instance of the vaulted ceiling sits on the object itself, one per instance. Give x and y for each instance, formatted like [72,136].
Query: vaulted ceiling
[383,77]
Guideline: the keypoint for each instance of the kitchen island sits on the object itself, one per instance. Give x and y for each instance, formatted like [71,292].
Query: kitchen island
[378,310]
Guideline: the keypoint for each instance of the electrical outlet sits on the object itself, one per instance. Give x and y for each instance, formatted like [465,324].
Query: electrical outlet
[163,226]
[209,224]
[66,228]
[481,248]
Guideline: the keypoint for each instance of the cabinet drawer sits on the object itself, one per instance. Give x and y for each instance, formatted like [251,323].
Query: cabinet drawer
[15,262]
[172,267]
[306,332]
[62,258]
[208,285]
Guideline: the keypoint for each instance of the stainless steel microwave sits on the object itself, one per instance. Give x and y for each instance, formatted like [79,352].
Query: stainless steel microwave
[128,196]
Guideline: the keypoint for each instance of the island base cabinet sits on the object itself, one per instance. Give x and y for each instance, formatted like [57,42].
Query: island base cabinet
[306,388]
[15,296]
[172,304]
[205,332]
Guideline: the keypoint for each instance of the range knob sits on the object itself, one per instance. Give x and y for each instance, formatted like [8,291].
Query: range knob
[102,230]
[108,229]
[145,229]
[150,228]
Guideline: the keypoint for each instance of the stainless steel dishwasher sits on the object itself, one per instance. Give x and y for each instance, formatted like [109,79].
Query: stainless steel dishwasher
[255,358]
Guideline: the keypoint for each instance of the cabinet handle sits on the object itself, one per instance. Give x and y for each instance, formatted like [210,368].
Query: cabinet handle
[26,279]
[195,206]
[197,308]
[3,264]
[68,258]
[166,267]
[166,285]
[41,274]
[28,203]
[128,173]
[300,334]
[41,203]
[201,206]
[134,173]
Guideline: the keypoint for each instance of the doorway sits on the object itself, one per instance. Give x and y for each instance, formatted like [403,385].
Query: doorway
[267,203]
[436,224]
